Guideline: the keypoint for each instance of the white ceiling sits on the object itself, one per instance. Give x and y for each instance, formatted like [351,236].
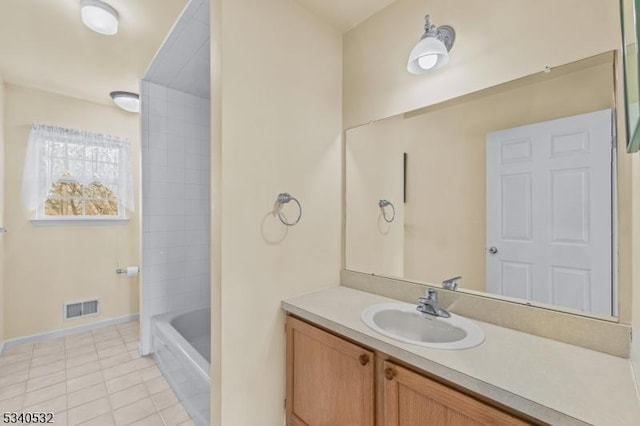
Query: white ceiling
[43,44]
[183,61]
[345,14]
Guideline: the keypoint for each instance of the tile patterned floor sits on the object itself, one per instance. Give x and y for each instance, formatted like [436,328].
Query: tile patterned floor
[91,378]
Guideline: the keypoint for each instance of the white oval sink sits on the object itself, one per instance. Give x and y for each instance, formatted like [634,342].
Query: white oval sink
[402,322]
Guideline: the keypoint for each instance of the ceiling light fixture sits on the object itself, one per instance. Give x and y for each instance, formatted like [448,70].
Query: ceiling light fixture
[432,51]
[128,101]
[99,16]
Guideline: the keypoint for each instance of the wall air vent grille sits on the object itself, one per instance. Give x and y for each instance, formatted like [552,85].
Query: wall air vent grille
[81,309]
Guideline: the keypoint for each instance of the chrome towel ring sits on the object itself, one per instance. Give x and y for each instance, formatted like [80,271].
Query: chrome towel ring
[283,199]
[383,204]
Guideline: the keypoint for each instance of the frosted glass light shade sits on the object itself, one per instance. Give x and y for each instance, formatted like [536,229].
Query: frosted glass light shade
[429,54]
[127,101]
[99,16]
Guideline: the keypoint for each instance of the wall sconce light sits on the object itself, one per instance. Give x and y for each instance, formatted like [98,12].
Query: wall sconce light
[99,16]
[432,51]
[126,100]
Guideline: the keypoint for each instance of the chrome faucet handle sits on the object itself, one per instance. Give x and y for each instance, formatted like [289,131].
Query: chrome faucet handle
[451,283]
[432,294]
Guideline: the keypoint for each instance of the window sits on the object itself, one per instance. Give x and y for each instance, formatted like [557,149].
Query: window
[76,174]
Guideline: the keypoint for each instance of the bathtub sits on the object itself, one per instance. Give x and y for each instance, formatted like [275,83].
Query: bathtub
[181,344]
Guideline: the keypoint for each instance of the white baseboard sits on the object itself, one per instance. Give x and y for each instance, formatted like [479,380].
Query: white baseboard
[66,331]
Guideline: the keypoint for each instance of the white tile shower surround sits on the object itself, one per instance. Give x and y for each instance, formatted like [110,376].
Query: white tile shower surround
[175,208]
[91,378]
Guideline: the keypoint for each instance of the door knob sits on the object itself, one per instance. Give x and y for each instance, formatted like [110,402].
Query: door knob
[364,359]
[389,373]
[493,250]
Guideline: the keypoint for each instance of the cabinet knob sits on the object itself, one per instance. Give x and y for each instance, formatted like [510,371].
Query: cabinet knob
[389,373]
[364,359]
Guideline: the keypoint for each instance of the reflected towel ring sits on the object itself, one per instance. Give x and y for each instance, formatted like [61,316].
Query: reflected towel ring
[283,199]
[384,203]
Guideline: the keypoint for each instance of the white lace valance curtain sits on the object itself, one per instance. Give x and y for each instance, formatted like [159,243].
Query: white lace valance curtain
[56,153]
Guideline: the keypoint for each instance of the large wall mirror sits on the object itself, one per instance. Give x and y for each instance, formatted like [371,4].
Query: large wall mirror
[513,188]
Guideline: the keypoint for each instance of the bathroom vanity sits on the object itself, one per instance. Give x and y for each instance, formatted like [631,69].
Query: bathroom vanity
[339,371]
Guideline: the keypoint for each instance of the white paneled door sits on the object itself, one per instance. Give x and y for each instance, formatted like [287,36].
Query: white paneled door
[549,212]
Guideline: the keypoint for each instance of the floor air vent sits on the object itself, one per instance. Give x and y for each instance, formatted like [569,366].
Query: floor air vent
[80,309]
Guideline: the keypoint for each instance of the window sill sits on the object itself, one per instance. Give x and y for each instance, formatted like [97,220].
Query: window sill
[79,221]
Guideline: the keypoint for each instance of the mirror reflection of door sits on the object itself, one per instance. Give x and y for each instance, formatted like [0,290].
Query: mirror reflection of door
[549,212]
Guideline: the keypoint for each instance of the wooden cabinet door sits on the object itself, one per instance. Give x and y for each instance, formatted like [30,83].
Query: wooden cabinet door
[414,400]
[330,382]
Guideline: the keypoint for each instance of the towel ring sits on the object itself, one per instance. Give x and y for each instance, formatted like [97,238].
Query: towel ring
[283,199]
[384,203]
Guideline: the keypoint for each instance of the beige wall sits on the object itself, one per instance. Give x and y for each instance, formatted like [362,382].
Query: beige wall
[281,132]
[374,165]
[48,266]
[496,41]
[2,246]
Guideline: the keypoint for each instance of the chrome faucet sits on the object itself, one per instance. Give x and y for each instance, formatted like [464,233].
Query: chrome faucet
[451,283]
[429,305]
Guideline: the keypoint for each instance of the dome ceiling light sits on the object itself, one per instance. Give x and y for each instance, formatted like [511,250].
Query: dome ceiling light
[128,101]
[99,16]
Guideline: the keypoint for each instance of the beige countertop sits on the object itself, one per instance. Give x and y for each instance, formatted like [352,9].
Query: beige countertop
[552,381]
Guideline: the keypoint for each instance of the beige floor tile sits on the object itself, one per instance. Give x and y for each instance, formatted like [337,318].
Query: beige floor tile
[44,394]
[47,359]
[115,360]
[52,350]
[75,399]
[121,370]
[7,392]
[156,385]
[88,411]
[132,346]
[124,382]
[15,367]
[84,381]
[128,396]
[76,351]
[20,349]
[92,378]
[44,381]
[128,325]
[8,360]
[82,359]
[13,378]
[78,336]
[174,415]
[150,373]
[104,344]
[134,412]
[164,399]
[105,333]
[82,370]
[120,348]
[152,420]
[58,343]
[188,423]
[55,405]
[145,361]
[11,404]
[60,419]
[104,420]
[46,369]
